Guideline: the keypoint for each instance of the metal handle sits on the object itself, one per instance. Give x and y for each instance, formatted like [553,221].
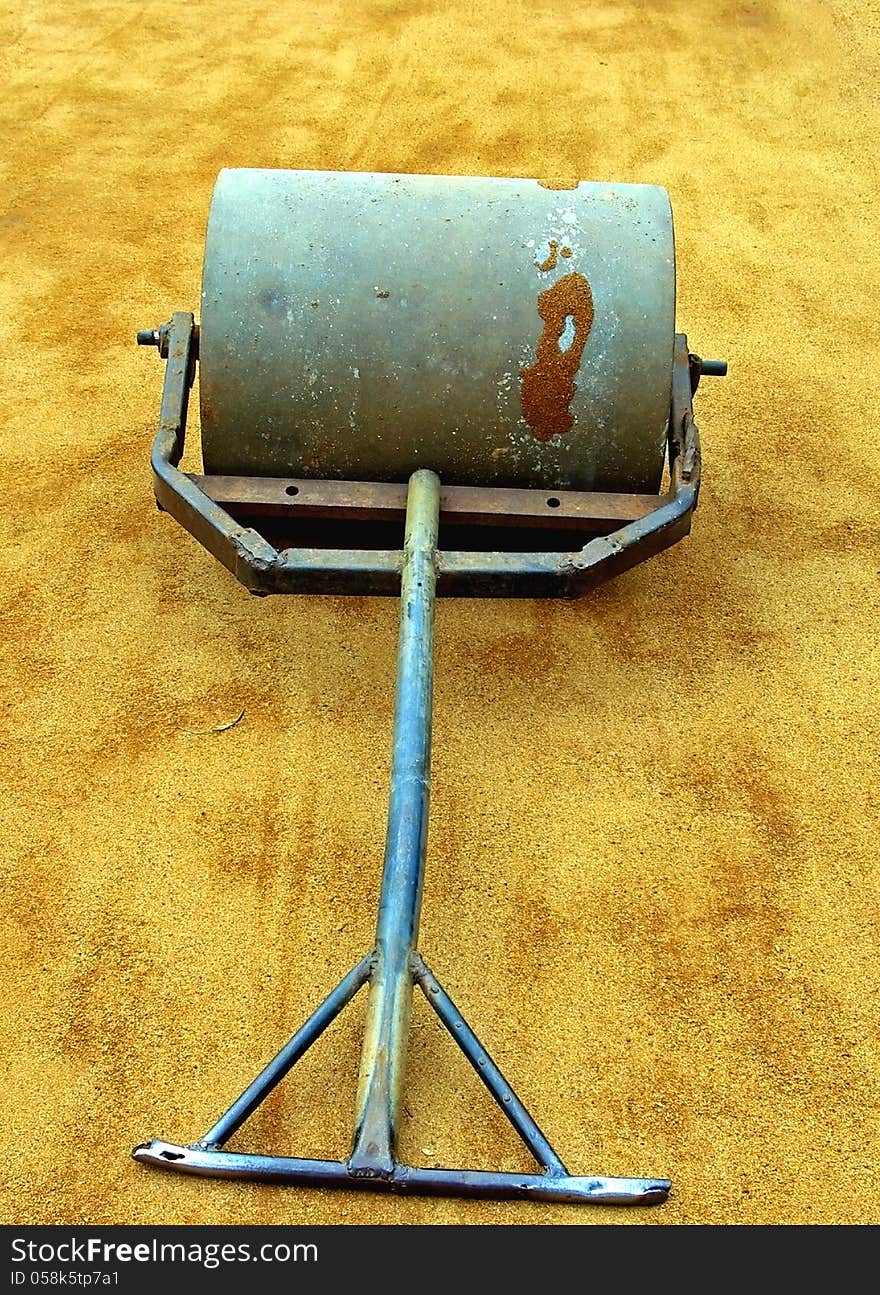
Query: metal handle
[391,984]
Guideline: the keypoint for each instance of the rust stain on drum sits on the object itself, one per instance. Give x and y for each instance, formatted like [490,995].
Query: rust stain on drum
[550,262]
[555,252]
[547,387]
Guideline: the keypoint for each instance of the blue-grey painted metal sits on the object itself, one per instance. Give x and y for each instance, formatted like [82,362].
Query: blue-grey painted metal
[406,1179]
[359,326]
[274,1072]
[486,1068]
[400,900]
[394,964]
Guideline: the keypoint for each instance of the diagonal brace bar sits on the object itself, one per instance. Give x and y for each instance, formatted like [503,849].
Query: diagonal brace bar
[274,1072]
[487,1070]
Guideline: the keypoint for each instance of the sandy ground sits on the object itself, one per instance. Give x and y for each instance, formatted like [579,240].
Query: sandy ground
[652,879]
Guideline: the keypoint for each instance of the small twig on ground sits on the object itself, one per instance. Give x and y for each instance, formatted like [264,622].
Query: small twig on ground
[217,728]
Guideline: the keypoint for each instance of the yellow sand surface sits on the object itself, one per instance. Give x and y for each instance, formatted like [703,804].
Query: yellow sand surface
[652,876]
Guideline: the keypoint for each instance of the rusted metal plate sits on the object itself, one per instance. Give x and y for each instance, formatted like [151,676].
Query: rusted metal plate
[386,501]
[360,326]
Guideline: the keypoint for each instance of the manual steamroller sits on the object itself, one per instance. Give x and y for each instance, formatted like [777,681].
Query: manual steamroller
[493,358]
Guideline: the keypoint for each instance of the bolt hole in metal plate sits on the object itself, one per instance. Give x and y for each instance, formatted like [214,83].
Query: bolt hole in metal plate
[358,326]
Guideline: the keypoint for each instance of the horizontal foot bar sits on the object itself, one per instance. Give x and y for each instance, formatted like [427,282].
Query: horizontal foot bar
[405,1179]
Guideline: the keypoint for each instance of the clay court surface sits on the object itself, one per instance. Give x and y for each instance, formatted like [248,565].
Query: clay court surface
[652,873]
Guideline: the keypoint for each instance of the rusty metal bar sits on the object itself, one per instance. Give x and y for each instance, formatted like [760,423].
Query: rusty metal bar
[300,497]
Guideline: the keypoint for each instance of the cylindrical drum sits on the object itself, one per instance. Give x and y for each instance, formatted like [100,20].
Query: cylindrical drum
[501,332]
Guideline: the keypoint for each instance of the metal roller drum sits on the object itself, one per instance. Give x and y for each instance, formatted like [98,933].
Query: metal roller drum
[500,332]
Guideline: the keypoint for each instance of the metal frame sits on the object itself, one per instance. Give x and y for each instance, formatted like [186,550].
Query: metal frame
[419,571]
[650,523]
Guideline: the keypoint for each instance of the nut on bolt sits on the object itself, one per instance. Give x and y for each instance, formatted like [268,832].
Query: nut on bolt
[157,337]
